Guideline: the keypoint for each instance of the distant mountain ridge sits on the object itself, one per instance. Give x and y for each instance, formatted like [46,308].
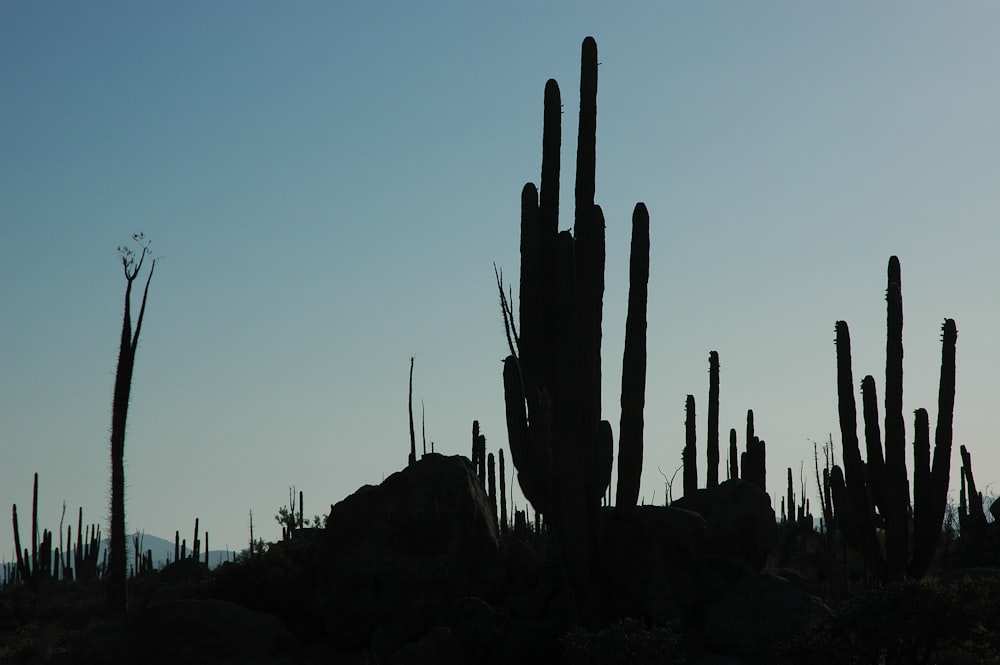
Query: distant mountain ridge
[163,551]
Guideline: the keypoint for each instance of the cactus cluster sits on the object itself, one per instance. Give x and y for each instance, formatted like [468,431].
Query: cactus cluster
[485,466]
[752,460]
[971,513]
[792,512]
[43,561]
[873,493]
[552,379]
[559,444]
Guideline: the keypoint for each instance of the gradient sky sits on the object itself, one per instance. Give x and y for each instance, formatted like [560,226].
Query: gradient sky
[327,186]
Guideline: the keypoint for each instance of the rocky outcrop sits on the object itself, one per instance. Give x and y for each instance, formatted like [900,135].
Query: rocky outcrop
[192,631]
[739,519]
[649,561]
[399,552]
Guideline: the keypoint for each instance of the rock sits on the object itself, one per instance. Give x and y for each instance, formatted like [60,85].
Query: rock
[192,631]
[387,640]
[476,625]
[401,551]
[651,558]
[717,660]
[183,572]
[740,519]
[759,614]
[437,646]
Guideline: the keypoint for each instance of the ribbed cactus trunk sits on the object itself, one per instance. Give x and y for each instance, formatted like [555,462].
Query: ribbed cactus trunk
[897,486]
[561,447]
[633,397]
[887,485]
[873,442]
[553,386]
[409,405]
[503,494]
[690,449]
[117,561]
[858,497]
[34,527]
[921,473]
[790,498]
[753,461]
[712,472]
[972,504]
[23,564]
[734,459]
[930,505]
[492,492]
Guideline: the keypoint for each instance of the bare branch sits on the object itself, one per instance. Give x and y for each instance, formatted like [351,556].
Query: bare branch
[505,309]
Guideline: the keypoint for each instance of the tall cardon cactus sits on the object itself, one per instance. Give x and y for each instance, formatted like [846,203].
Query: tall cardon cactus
[867,493]
[560,446]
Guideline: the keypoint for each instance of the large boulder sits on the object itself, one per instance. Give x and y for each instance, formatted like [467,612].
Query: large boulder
[740,519]
[652,563]
[401,551]
[191,631]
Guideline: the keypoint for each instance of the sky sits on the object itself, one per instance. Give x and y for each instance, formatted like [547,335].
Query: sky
[327,186]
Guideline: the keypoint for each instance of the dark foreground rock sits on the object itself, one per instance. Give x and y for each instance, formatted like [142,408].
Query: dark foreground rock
[191,631]
[399,552]
[740,519]
[758,615]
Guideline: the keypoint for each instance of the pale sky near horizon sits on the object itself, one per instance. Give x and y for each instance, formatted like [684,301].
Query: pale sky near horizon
[328,185]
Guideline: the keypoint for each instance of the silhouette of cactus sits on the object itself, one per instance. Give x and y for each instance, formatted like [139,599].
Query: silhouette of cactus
[34,527]
[734,460]
[972,516]
[753,461]
[552,377]
[23,562]
[873,441]
[492,493]
[479,453]
[790,502]
[885,487]
[690,456]
[117,590]
[633,396]
[503,494]
[712,472]
[409,402]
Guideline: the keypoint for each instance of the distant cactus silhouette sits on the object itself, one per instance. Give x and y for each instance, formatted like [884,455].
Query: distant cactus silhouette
[972,516]
[492,491]
[734,463]
[503,494]
[885,487]
[753,461]
[690,456]
[712,472]
[479,453]
[413,440]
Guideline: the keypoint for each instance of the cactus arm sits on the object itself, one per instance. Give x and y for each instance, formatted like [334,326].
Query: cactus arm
[633,395]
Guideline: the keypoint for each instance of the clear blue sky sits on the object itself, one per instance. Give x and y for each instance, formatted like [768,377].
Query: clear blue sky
[329,184]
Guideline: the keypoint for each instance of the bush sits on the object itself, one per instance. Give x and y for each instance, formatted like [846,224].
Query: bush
[626,641]
[908,623]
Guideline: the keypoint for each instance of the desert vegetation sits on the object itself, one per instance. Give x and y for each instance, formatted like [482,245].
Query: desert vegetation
[438,563]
